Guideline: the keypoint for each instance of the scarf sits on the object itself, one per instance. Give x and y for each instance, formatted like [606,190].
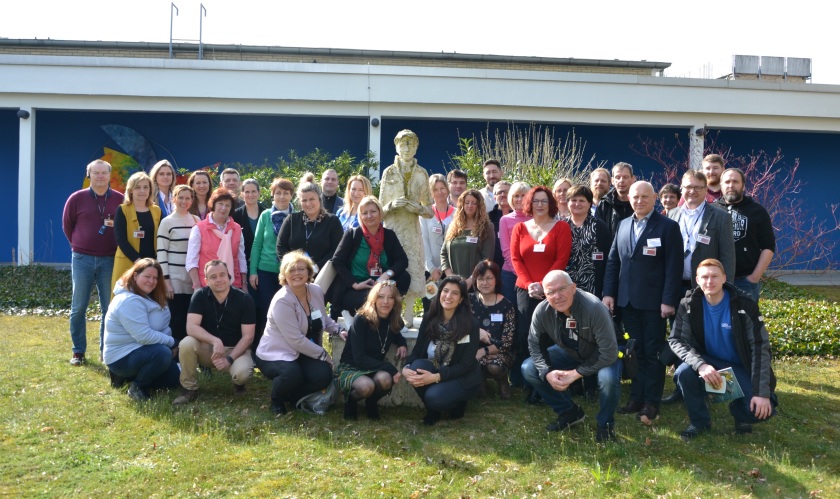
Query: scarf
[225,252]
[445,346]
[376,243]
[277,217]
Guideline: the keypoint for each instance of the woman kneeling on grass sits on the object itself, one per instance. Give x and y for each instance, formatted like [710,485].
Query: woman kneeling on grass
[363,372]
[138,341]
[442,368]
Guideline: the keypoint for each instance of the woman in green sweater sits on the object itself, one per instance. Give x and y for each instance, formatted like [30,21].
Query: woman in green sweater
[264,268]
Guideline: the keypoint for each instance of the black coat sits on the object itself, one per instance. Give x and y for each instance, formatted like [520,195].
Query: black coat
[346,251]
[464,367]
[240,216]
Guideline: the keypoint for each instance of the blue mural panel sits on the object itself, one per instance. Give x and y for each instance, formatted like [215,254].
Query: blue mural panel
[9,137]
[69,140]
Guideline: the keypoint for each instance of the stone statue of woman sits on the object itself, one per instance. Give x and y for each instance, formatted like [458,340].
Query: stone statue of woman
[405,196]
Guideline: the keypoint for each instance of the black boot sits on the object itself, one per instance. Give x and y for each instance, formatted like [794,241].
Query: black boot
[372,407]
[351,408]
[673,398]
[458,411]
[431,417]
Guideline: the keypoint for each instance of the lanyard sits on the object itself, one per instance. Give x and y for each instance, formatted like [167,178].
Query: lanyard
[96,199]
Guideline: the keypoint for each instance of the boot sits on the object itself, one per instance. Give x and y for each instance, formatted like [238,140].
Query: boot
[504,386]
[431,417]
[372,407]
[482,388]
[351,408]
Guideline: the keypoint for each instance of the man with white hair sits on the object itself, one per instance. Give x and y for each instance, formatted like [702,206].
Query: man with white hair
[572,336]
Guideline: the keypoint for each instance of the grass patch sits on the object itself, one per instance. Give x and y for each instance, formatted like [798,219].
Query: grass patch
[829,293]
[66,432]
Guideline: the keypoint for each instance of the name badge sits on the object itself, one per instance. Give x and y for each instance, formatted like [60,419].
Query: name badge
[703,239]
[654,242]
[496,318]
[539,248]
[375,271]
[597,256]
[437,230]
[316,314]
[108,222]
[649,251]
[465,340]
[472,239]
[139,234]
[571,323]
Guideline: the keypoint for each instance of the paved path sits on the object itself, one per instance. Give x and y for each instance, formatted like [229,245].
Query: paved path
[830,278]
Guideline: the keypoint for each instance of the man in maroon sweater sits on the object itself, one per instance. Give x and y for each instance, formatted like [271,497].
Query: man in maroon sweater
[88,223]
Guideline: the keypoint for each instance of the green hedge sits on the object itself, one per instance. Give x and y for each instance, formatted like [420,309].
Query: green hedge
[800,323]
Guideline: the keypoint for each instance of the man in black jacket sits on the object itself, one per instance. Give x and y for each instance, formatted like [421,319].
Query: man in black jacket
[615,206]
[717,327]
[755,241]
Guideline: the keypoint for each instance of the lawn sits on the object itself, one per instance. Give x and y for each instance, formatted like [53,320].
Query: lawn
[66,432]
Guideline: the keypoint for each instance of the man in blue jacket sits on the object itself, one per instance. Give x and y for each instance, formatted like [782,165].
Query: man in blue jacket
[643,278]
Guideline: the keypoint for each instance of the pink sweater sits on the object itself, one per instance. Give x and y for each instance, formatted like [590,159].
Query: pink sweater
[506,224]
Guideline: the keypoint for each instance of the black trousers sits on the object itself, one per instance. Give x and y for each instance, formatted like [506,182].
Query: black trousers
[291,380]
[443,396]
[647,327]
[179,305]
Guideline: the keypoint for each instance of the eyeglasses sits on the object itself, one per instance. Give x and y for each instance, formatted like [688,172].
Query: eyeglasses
[694,188]
[558,290]
[486,278]
[298,270]
[389,283]
[539,201]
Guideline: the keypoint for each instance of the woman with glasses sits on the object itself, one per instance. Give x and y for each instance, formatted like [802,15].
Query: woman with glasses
[516,195]
[442,367]
[470,239]
[537,247]
[497,322]
[363,373]
[559,193]
[290,352]
[367,255]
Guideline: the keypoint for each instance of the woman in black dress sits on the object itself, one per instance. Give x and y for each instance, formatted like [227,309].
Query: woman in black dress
[363,373]
[497,322]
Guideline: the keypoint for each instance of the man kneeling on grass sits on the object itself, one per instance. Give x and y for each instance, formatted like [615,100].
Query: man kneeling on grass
[220,329]
[572,336]
[718,327]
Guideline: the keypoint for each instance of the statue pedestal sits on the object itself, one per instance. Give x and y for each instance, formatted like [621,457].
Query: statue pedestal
[402,394]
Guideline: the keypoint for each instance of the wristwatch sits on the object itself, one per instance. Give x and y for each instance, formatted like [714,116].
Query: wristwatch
[229,359]
[486,350]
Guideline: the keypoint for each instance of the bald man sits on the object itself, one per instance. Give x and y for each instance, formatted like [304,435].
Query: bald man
[644,280]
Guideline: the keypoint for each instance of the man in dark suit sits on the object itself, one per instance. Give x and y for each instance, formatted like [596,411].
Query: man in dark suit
[643,277]
[707,233]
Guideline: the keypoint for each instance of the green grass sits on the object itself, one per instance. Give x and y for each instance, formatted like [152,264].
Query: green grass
[64,431]
[830,293]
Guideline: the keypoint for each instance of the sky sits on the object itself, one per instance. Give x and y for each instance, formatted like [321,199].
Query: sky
[697,38]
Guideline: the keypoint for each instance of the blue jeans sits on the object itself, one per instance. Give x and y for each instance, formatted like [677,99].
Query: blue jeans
[443,396]
[694,394]
[753,290]
[88,271]
[150,366]
[609,384]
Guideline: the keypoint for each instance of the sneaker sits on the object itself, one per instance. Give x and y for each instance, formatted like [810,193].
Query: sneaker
[605,434]
[569,418]
[137,393]
[77,359]
[692,431]
[632,407]
[185,397]
[116,380]
[742,428]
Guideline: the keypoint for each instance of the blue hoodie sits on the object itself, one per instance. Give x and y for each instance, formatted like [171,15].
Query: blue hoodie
[133,321]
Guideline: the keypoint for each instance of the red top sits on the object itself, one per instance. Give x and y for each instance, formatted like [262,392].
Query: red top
[531,266]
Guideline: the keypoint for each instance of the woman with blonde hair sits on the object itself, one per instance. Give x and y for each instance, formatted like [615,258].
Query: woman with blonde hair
[138,344]
[559,192]
[470,239]
[363,373]
[202,184]
[357,188]
[135,226]
[163,182]
[172,242]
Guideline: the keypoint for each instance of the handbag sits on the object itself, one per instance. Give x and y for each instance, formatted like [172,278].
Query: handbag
[326,276]
[630,361]
[318,402]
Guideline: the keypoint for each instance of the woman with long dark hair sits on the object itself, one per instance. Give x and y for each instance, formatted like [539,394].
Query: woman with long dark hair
[363,373]
[442,368]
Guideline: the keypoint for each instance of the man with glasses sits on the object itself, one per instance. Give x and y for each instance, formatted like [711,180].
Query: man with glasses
[500,193]
[220,329]
[707,233]
[571,337]
[88,224]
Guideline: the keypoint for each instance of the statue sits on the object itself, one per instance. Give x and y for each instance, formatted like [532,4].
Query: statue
[405,196]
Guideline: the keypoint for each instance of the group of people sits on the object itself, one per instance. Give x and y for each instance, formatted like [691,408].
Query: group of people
[531,286]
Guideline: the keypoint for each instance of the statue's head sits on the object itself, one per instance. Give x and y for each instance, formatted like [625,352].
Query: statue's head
[407,144]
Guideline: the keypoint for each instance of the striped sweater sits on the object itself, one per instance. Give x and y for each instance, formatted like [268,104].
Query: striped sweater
[172,240]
